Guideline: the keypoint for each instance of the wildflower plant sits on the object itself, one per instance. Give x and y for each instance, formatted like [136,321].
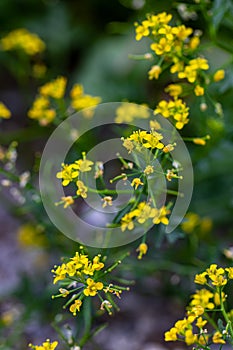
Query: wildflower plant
[208,320]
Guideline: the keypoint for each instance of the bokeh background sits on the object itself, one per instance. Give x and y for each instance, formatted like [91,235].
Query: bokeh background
[89,42]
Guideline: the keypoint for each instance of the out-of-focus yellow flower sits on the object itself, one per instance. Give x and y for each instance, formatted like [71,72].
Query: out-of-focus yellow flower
[199,90]
[219,75]
[30,235]
[22,39]
[5,113]
[54,89]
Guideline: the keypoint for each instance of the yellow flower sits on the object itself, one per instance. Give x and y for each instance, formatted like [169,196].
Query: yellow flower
[55,88]
[154,72]
[64,292]
[31,235]
[76,306]
[174,90]
[168,148]
[142,249]
[40,111]
[230,272]
[68,173]
[217,298]
[199,63]
[153,140]
[162,108]
[200,323]
[60,273]
[144,212]
[192,220]
[127,222]
[82,189]
[162,47]
[22,39]
[142,30]
[84,165]
[219,75]
[201,278]
[107,200]
[76,91]
[136,182]
[68,200]
[190,338]
[97,265]
[47,345]
[194,42]
[92,287]
[217,338]
[202,298]
[5,113]
[161,216]
[199,90]
[199,141]
[149,170]
[127,112]
[81,101]
[154,125]
[182,32]
[171,335]
[80,259]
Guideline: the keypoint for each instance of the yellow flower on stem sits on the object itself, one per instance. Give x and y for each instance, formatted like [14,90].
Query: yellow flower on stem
[76,306]
[217,338]
[82,189]
[136,182]
[68,173]
[142,249]
[154,72]
[92,287]
[107,200]
[68,200]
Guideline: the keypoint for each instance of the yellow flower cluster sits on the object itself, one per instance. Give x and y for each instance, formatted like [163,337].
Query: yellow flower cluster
[70,173]
[76,281]
[80,100]
[22,39]
[176,48]
[176,109]
[55,88]
[5,113]
[42,109]
[47,345]
[191,328]
[127,112]
[50,101]
[215,276]
[142,213]
[193,221]
[150,140]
